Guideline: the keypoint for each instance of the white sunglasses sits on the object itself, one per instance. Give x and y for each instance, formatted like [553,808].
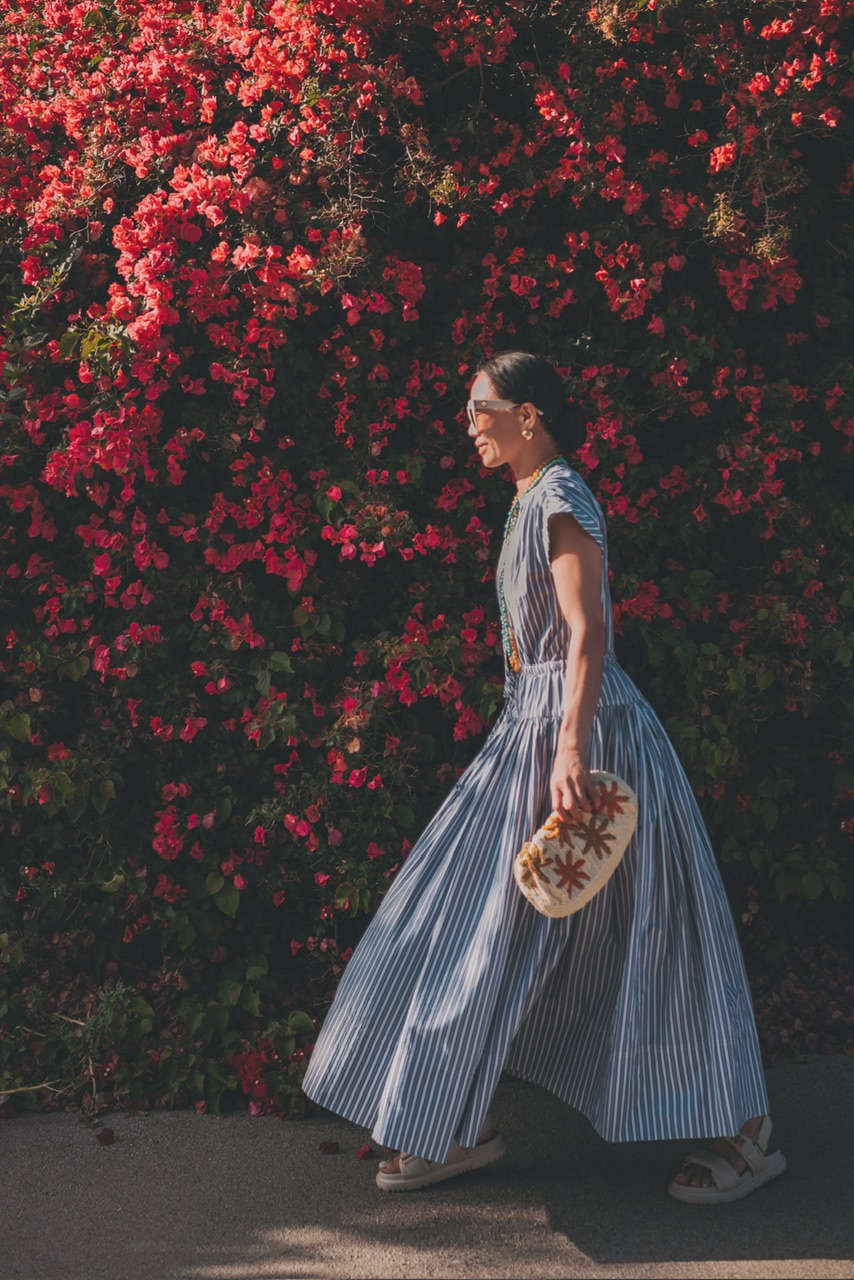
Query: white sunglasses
[474,407]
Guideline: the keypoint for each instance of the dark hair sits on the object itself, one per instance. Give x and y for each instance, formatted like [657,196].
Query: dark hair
[525,378]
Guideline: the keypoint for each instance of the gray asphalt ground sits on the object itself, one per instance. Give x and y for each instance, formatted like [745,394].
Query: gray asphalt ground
[186,1197]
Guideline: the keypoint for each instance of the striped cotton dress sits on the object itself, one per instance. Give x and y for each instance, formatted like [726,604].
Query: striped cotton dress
[635,1011]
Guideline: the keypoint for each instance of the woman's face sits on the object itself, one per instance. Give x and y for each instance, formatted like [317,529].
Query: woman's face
[497,429]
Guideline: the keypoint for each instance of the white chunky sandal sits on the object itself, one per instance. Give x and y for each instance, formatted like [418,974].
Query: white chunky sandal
[416,1172]
[762,1166]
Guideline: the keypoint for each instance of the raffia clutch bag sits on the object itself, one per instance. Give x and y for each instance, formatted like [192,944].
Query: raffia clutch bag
[565,864]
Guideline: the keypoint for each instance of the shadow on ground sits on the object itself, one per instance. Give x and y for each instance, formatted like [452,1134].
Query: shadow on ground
[182,1197]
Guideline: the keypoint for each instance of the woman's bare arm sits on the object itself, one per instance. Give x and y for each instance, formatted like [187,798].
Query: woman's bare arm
[577,571]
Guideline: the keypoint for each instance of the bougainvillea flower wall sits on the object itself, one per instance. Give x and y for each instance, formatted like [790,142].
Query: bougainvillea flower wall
[252,255]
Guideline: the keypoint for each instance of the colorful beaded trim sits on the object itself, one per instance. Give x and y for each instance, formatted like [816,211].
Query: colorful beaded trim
[511,651]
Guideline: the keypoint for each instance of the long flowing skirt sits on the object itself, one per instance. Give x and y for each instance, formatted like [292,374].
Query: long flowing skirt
[635,1011]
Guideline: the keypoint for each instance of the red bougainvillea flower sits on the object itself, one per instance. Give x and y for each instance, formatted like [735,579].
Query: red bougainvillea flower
[254,256]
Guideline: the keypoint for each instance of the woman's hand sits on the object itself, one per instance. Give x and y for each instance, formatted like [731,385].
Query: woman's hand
[572,790]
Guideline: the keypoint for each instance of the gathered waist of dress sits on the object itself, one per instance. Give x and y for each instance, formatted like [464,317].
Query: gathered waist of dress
[536,689]
[534,669]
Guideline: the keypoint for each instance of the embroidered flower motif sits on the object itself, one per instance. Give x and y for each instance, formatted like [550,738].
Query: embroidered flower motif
[533,860]
[556,829]
[570,875]
[596,838]
[612,799]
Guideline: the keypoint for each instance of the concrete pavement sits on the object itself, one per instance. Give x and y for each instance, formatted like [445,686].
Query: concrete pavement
[186,1197]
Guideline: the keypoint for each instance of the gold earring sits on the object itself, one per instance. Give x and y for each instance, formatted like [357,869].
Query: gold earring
[527,433]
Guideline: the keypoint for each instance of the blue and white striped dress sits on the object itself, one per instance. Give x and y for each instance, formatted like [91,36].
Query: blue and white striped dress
[636,1010]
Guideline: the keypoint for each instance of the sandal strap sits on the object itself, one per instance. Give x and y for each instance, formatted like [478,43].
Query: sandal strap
[763,1137]
[418,1167]
[753,1151]
[414,1166]
[724,1176]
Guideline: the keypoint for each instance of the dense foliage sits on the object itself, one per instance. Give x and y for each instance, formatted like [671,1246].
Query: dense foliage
[252,255]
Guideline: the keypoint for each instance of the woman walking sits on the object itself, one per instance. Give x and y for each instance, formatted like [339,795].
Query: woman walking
[635,1010]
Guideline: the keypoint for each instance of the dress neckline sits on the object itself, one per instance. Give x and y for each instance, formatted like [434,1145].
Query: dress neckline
[515,506]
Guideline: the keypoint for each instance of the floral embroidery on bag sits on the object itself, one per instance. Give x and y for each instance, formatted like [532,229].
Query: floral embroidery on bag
[566,862]
[533,860]
[612,799]
[570,875]
[596,838]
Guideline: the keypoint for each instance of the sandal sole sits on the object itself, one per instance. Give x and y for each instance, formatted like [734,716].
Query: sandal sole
[775,1164]
[487,1153]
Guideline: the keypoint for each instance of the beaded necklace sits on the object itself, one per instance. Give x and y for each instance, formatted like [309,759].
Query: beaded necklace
[508,639]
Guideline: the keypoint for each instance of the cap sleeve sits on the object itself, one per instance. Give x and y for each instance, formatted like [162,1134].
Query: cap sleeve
[567,492]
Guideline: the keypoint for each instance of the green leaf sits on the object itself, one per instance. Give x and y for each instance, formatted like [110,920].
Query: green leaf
[229,992]
[69,339]
[280,661]
[403,815]
[99,802]
[837,888]
[785,884]
[228,900]
[76,669]
[62,786]
[256,968]
[186,937]
[250,1001]
[218,1019]
[812,884]
[19,727]
[191,1014]
[764,679]
[299,1023]
[214,882]
[113,885]
[76,808]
